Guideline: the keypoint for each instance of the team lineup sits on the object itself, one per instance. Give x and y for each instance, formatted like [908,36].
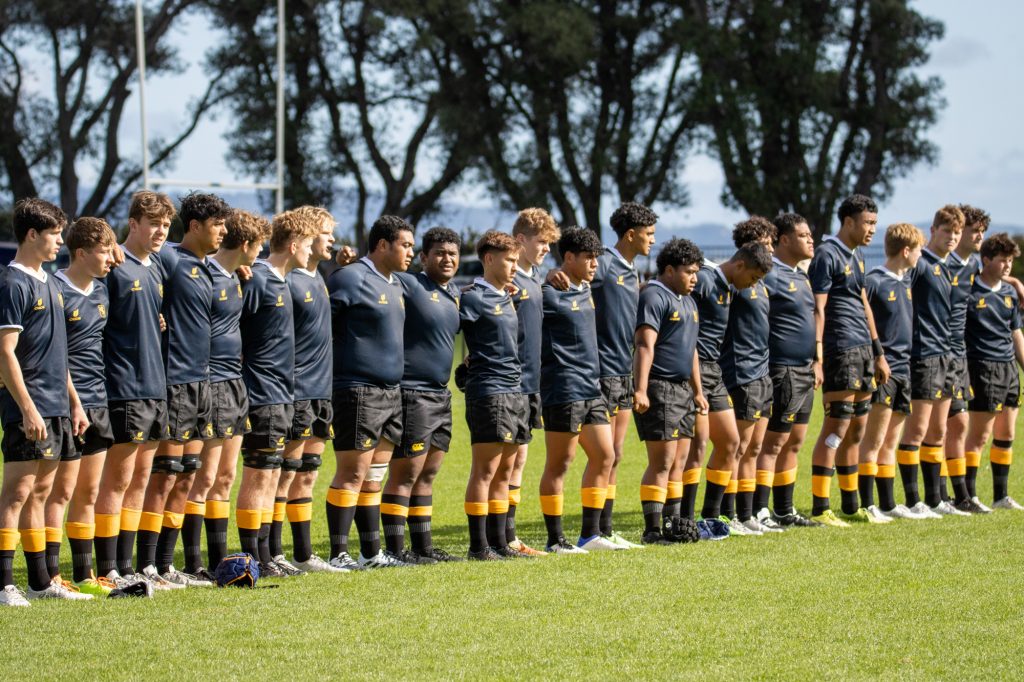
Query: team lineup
[135,379]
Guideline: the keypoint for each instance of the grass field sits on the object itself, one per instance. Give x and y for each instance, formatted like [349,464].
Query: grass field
[913,599]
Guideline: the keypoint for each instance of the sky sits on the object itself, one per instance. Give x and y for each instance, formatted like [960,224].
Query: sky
[978,133]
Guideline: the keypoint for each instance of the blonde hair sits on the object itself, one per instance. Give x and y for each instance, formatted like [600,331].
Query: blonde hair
[292,225]
[318,214]
[949,215]
[243,227]
[902,236]
[536,222]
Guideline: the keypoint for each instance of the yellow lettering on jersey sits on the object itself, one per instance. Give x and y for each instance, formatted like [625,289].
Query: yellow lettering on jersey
[383,299]
[937,270]
[39,305]
[847,269]
[981,302]
[792,286]
[75,317]
[280,301]
[308,298]
[524,295]
[497,309]
[101,309]
[434,298]
[892,296]
[136,286]
[195,273]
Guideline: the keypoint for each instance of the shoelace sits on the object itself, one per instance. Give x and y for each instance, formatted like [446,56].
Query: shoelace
[68,585]
[105,582]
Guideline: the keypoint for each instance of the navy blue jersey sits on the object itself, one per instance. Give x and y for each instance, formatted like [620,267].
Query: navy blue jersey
[992,317]
[745,349]
[891,301]
[34,305]
[188,296]
[368,316]
[529,309]
[616,291]
[713,295]
[839,272]
[225,334]
[963,272]
[932,286]
[568,346]
[85,316]
[678,324]
[268,338]
[790,316]
[314,357]
[132,354]
[491,328]
[431,323]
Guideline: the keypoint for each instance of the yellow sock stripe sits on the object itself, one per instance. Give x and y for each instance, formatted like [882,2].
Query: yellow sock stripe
[173,519]
[944,467]
[107,525]
[847,482]
[787,477]
[652,493]
[763,477]
[867,469]
[1000,456]
[80,531]
[130,519]
[9,538]
[514,496]
[691,476]
[732,487]
[266,515]
[279,511]
[368,499]
[746,485]
[150,521]
[551,505]
[907,457]
[217,509]
[299,512]
[497,506]
[886,471]
[718,477]
[421,511]
[821,486]
[196,508]
[249,519]
[972,458]
[475,508]
[674,490]
[33,539]
[957,467]
[53,535]
[594,498]
[931,454]
[338,497]
[612,489]
[394,509]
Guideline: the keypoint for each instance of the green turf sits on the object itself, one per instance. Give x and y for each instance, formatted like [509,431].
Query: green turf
[924,600]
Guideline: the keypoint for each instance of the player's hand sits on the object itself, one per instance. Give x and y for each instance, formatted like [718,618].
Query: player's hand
[641,403]
[1019,288]
[819,374]
[881,370]
[345,256]
[244,273]
[79,422]
[511,289]
[118,256]
[33,425]
[163,323]
[558,279]
[702,403]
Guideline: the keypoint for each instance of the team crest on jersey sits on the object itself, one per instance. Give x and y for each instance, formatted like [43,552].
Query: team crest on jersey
[102,310]
[383,299]
[892,296]
[721,299]
[239,291]
[195,273]
[497,309]
[75,317]
[981,302]
[434,298]
[695,318]
[910,296]
[39,305]
[524,295]
[860,263]
[792,286]
[956,280]
[753,293]
[937,270]
[674,317]
[575,305]
[160,289]
[621,280]
[280,301]
[308,298]
[223,295]
[136,286]
[847,270]
[1007,301]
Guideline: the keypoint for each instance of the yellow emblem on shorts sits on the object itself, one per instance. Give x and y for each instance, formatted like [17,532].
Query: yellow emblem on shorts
[981,302]
[368,442]
[757,414]
[209,430]
[280,441]
[999,407]
[48,453]
[615,410]
[418,447]
[306,432]
[139,436]
[248,424]
[938,394]
[280,301]
[579,427]
[856,383]
[508,436]
[1007,301]
[308,298]
[223,295]
[675,433]
[960,394]
[888,400]
[229,431]
[187,433]
[729,398]
[101,309]
[39,305]
[791,417]
[330,430]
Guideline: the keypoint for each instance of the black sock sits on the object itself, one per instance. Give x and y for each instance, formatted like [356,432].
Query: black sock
[605,524]
[53,558]
[277,527]
[145,549]
[689,504]
[216,541]
[38,575]
[81,558]
[106,554]
[713,493]
[393,510]
[908,473]
[250,540]
[729,505]
[745,505]
[930,474]
[886,492]
[553,523]
[591,524]
[477,532]
[673,506]
[849,500]
[782,498]
[761,495]
[866,486]
[420,512]
[125,551]
[192,540]
[971,478]
[943,489]
[367,518]
[166,542]
[263,543]
[1000,481]
[959,488]
[652,515]
[6,567]
[513,504]
[497,536]
[299,511]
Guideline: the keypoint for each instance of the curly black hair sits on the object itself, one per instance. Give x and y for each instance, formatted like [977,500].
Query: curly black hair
[387,227]
[678,253]
[632,215]
[576,239]
[36,214]
[754,255]
[975,216]
[854,205]
[200,206]
[785,223]
[754,228]
[999,244]
[440,235]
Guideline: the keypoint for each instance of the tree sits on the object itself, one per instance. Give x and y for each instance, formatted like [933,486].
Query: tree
[808,101]
[52,136]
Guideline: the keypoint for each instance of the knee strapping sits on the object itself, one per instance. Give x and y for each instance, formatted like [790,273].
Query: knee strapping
[190,463]
[841,409]
[291,464]
[163,464]
[376,473]
[309,463]
[861,408]
[259,459]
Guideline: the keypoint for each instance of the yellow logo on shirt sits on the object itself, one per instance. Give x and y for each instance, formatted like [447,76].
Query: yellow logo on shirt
[101,309]
[525,295]
[981,302]
[223,295]
[195,273]
[621,280]
[847,270]
[39,305]
[60,299]
[497,309]
[937,270]
[433,297]
[674,317]
[753,293]
[160,290]
[1007,301]
[861,264]
[280,301]
[383,299]
[418,447]
[956,280]
[695,318]
[721,300]
[239,291]
[910,296]
[75,317]
[792,286]
[575,305]
[136,286]
[892,296]
[308,298]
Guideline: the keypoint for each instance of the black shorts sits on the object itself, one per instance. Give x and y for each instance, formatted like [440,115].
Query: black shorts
[267,427]
[928,378]
[753,401]
[572,417]
[672,413]
[97,438]
[189,411]
[57,445]
[312,419]
[497,418]
[959,381]
[618,393]
[894,394]
[426,422]
[229,401]
[138,421]
[713,388]
[534,419]
[792,396]
[363,415]
[995,384]
[852,369]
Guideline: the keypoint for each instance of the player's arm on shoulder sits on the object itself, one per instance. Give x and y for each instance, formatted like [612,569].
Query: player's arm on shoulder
[1018,286]
[345,256]
[557,279]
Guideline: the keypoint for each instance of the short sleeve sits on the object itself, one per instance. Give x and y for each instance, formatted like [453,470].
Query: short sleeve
[468,309]
[550,300]
[820,273]
[13,301]
[1015,313]
[703,285]
[651,310]
[251,294]
[601,273]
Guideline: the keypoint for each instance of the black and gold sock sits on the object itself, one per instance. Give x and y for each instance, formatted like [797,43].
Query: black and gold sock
[943,477]
[973,460]
[192,535]
[367,520]
[150,524]
[729,499]
[957,469]
[300,514]
[673,499]
[277,526]
[821,487]
[931,465]
[1001,457]
[393,511]
[341,510]
[551,507]
[130,519]
[497,520]
[420,511]
[866,473]
[691,483]
[266,518]
[168,540]
[763,480]
[54,537]
[515,494]
[476,516]
[9,538]
[885,480]
[215,519]
[33,542]
[606,513]
[847,475]
[107,528]
[249,522]
[714,489]
[909,457]
[745,488]
[783,488]
[80,536]
[652,500]
[593,504]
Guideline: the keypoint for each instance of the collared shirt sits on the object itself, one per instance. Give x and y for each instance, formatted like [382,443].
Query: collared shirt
[745,349]
[963,272]
[932,286]
[838,271]
[85,315]
[225,317]
[992,317]
[529,308]
[790,316]
[311,313]
[616,291]
[491,329]
[676,320]
[268,338]
[569,346]
[431,323]
[892,306]
[713,296]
